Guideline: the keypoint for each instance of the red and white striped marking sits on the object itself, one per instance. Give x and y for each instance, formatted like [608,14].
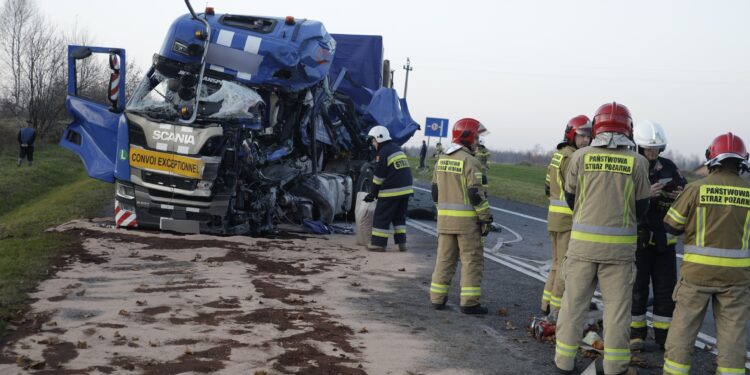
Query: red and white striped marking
[114,86]
[124,218]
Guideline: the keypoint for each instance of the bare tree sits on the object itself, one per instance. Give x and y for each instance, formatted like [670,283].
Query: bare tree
[134,76]
[33,75]
[43,69]
[16,15]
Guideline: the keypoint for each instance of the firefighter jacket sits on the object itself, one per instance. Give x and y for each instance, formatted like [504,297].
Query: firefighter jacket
[652,229]
[606,183]
[458,191]
[714,213]
[392,178]
[483,155]
[559,215]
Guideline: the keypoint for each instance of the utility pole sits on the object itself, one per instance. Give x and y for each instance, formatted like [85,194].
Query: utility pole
[408,69]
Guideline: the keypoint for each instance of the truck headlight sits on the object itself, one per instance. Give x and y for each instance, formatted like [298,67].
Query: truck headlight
[204,185]
[125,191]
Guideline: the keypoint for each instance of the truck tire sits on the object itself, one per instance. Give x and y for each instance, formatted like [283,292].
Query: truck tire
[318,194]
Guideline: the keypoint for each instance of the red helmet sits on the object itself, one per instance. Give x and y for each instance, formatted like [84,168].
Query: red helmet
[577,125]
[726,146]
[466,131]
[613,117]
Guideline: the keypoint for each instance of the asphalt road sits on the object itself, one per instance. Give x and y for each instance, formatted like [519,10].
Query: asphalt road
[516,263]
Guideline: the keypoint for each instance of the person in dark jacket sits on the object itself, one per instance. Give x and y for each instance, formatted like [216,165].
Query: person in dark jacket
[26,137]
[422,154]
[392,186]
[655,258]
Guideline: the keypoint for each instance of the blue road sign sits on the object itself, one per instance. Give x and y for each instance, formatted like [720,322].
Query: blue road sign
[436,127]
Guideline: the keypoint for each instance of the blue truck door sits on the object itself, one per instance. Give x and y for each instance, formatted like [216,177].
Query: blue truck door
[99,130]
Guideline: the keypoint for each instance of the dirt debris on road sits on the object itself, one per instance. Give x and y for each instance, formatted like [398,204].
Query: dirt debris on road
[153,303]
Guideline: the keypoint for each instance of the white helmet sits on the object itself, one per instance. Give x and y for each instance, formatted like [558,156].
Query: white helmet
[647,133]
[481,141]
[380,133]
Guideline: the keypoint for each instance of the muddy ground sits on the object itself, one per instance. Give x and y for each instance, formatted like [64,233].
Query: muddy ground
[154,303]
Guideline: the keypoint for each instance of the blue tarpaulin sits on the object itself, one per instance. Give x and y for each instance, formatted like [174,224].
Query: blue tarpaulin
[377,105]
[362,56]
[388,110]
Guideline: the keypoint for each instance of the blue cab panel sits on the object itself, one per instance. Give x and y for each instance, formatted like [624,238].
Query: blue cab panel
[98,133]
[255,50]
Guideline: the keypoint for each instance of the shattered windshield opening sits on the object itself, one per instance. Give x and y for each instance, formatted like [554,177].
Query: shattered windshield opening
[160,97]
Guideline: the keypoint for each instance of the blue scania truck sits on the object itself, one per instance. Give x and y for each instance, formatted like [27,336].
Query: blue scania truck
[241,123]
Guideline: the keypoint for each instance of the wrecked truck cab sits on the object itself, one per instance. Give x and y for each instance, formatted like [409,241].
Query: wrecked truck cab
[238,126]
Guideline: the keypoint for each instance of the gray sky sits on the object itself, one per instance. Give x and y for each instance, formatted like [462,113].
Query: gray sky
[523,68]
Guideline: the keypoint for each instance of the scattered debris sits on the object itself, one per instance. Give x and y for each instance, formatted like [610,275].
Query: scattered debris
[509,326]
[141,303]
[363,330]
[503,312]
[124,313]
[594,340]
[402,269]
[82,345]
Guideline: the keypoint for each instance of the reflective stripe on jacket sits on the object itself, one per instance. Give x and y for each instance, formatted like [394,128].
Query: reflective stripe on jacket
[455,174]
[559,216]
[607,183]
[392,177]
[714,213]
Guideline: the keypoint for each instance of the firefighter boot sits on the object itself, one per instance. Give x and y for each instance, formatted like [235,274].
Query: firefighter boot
[474,310]
[402,247]
[637,344]
[378,249]
[439,306]
[599,367]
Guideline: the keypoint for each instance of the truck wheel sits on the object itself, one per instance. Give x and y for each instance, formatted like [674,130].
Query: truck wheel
[319,195]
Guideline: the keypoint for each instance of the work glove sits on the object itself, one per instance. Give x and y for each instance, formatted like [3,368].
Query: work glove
[485,227]
[370,197]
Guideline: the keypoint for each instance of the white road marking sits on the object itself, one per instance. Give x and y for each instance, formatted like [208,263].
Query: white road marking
[498,209]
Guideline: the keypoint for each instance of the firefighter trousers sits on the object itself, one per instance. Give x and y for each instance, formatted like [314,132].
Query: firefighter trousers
[451,247]
[615,282]
[657,268]
[731,308]
[390,212]
[555,285]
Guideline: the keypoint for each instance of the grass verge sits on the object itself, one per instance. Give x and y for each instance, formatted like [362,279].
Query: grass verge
[56,189]
[519,183]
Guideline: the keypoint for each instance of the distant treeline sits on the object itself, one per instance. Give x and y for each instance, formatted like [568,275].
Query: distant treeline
[541,157]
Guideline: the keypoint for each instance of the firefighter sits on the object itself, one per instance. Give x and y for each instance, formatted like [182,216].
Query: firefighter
[607,188]
[392,186]
[655,258]
[463,218]
[483,155]
[438,150]
[714,215]
[560,216]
